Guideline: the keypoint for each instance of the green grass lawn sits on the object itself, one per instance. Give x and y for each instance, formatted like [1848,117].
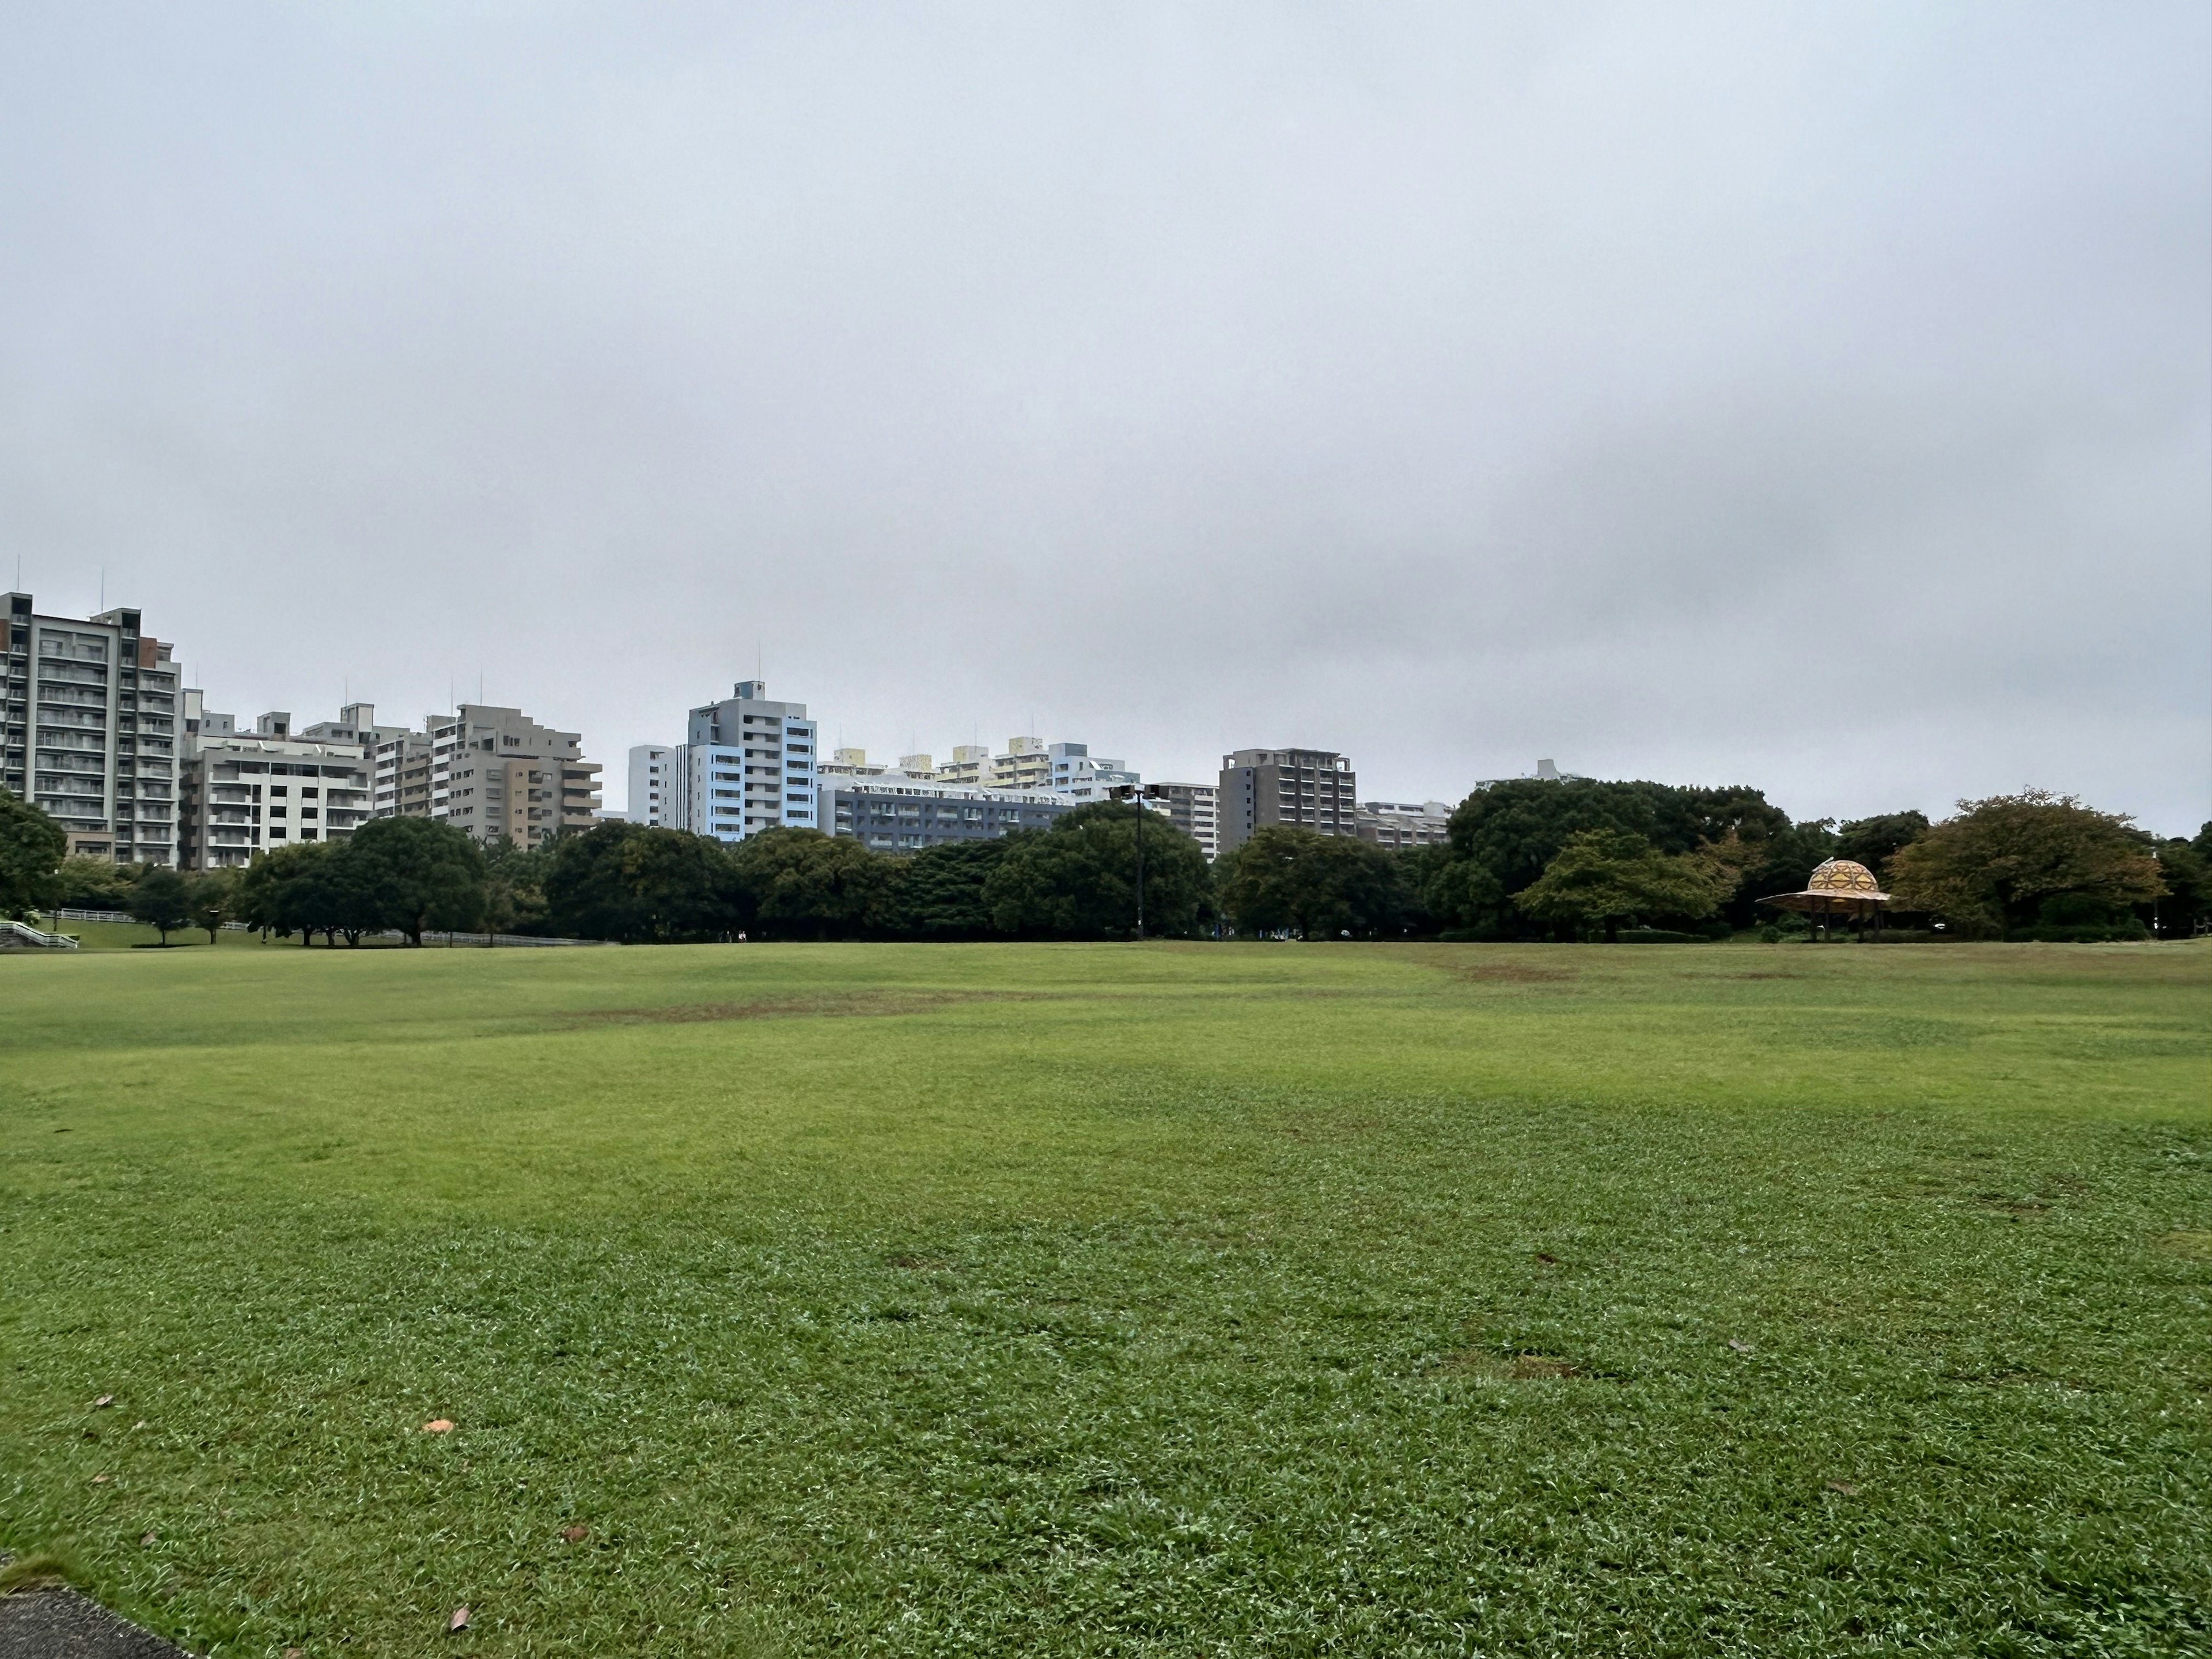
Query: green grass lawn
[1065,1299]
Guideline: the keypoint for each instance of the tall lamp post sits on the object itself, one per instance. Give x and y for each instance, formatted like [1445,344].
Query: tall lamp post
[1130,792]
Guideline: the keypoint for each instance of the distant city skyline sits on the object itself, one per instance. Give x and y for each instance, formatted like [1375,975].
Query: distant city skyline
[1819,400]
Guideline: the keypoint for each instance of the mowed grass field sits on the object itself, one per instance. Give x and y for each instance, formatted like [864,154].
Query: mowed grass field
[1162,1299]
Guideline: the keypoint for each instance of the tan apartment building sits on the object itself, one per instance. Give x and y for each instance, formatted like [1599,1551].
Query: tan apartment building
[495,772]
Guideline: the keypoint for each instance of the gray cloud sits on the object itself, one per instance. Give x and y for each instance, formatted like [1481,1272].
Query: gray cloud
[1808,396]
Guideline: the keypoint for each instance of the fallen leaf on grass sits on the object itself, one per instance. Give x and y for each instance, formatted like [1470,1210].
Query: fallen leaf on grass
[438,1425]
[1739,1345]
[147,1540]
[459,1621]
[101,1479]
[103,1400]
[1846,1488]
[295,1653]
[1548,1258]
[576,1534]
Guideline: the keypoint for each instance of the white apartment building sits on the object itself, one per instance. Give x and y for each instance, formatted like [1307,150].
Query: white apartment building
[1082,776]
[88,729]
[496,773]
[652,786]
[747,764]
[1194,809]
[1404,824]
[243,793]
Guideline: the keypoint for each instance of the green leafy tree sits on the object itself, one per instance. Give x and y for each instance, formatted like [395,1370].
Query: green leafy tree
[1874,841]
[90,884]
[801,884]
[2000,860]
[257,899]
[213,895]
[162,901]
[640,882]
[1509,832]
[411,873]
[32,846]
[2187,877]
[1782,863]
[939,890]
[1603,878]
[1287,879]
[289,889]
[1077,879]
[514,887]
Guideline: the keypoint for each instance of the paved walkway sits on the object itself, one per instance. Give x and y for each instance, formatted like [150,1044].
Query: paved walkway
[59,1624]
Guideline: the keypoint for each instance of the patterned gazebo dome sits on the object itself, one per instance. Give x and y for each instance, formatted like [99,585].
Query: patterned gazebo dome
[1842,876]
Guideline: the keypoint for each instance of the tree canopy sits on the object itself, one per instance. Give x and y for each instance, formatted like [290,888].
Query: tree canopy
[1603,878]
[1505,836]
[1077,879]
[411,873]
[32,846]
[2002,861]
[1287,879]
[801,884]
[1874,841]
[162,900]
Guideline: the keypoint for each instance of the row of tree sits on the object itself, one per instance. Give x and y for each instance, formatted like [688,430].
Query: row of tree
[1527,858]
[1583,855]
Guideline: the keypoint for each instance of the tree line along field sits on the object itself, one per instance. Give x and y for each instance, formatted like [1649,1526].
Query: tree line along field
[1113,1299]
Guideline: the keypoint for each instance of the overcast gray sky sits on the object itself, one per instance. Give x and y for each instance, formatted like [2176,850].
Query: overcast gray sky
[1809,397]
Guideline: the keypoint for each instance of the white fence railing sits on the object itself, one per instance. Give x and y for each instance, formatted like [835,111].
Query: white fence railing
[22,933]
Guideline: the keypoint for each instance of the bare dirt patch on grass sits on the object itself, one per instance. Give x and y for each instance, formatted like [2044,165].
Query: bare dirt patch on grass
[1510,973]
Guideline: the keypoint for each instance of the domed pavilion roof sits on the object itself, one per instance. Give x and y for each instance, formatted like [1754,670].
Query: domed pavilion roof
[1837,887]
[1842,876]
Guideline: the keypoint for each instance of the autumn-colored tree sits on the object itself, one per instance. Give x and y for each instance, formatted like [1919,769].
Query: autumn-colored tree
[2002,860]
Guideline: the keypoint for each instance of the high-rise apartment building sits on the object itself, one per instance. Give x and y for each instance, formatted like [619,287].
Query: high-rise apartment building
[1193,808]
[244,793]
[400,769]
[496,773]
[652,786]
[1310,788]
[88,730]
[747,764]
